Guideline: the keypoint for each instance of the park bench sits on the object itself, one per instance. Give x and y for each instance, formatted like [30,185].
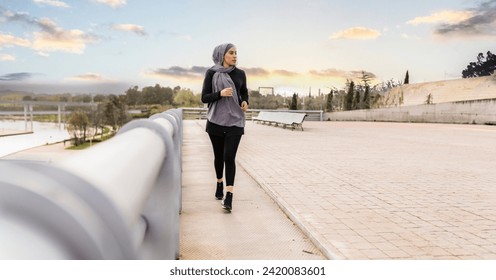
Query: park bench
[285,119]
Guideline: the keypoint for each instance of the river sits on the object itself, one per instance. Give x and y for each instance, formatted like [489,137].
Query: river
[43,133]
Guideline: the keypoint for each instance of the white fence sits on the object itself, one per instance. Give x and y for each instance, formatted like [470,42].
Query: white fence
[120,199]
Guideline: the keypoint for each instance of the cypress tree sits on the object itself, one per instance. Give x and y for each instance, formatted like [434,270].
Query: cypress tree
[329,102]
[294,102]
[348,104]
[366,98]
[407,78]
[356,100]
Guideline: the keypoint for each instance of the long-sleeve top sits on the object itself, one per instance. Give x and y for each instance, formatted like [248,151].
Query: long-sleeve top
[228,120]
[239,78]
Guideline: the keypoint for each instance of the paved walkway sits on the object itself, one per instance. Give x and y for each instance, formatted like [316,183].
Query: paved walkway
[382,190]
[256,229]
[357,190]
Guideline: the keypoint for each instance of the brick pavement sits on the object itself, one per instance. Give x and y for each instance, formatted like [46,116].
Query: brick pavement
[382,190]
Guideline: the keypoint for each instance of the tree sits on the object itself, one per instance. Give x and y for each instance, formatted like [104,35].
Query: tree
[294,102]
[366,97]
[186,98]
[99,98]
[329,101]
[407,78]
[356,100]
[78,125]
[365,79]
[429,99]
[97,119]
[86,98]
[348,104]
[115,111]
[133,96]
[484,66]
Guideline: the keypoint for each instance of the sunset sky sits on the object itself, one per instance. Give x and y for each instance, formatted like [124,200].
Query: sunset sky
[107,46]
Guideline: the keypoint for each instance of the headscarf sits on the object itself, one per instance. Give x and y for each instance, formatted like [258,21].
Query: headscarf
[225,111]
[221,79]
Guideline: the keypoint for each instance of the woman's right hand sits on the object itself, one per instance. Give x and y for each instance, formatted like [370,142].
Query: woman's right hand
[226,92]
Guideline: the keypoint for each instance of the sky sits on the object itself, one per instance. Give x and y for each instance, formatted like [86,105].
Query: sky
[293,46]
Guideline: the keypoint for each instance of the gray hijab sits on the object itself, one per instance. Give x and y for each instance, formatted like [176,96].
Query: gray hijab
[226,111]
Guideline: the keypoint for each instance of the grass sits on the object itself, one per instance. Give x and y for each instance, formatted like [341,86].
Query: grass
[46,118]
[83,146]
[88,144]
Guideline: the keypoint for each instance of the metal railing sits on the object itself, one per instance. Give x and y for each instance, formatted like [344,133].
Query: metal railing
[120,199]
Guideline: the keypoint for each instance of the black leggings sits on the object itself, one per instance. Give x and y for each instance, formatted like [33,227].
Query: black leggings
[225,148]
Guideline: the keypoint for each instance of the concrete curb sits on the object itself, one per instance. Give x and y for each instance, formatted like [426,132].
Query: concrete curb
[316,240]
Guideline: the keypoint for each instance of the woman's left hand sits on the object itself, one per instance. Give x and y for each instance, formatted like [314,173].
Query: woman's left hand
[244,106]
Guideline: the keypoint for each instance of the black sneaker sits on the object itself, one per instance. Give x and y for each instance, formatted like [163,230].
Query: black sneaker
[227,204]
[219,192]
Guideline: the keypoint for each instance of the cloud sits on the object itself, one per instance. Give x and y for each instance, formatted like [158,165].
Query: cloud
[18,16]
[329,72]
[16,76]
[65,87]
[112,3]
[478,21]
[356,33]
[256,72]
[482,23]
[449,17]
[138,29]
[40,53]
[176,72]
[51,37]
[54,38]
[285,73]
[9,40]
[260,76]
[6,57]
[343,74]
[54,3]
[198,72]
[261,72]
[88,77]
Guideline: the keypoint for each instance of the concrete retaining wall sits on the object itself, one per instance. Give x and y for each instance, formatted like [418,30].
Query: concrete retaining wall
[461,112]
[441,92]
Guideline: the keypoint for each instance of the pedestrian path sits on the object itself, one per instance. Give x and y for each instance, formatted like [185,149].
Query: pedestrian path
[366,190]
[256,229]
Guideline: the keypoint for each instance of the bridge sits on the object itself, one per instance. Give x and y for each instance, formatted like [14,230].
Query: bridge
[353,190]
[28,109]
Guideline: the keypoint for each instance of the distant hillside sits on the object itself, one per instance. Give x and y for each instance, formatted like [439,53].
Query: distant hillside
[442,92]
[6,93]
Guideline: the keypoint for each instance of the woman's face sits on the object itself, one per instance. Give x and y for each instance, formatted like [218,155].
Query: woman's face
[230,57]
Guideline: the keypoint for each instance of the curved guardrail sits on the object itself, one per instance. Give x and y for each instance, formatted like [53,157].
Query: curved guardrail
[120,199]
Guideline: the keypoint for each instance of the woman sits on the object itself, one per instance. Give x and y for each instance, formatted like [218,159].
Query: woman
[225,91]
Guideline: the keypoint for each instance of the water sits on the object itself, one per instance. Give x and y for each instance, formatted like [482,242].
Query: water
[43,133]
